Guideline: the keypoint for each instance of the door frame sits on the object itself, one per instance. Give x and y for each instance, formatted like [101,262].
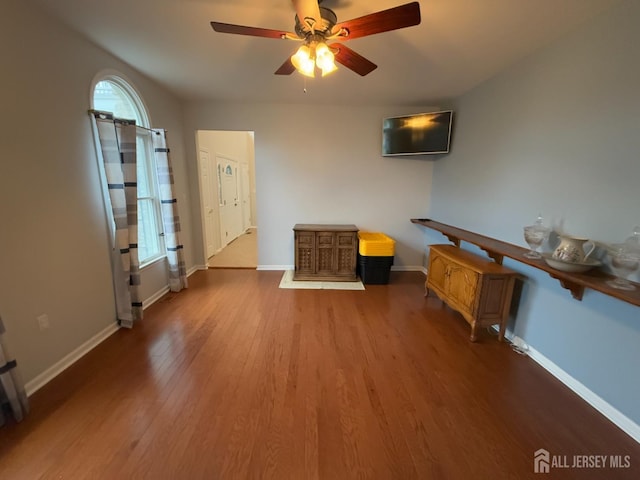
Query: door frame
[203,213]
[216,147]
[210,189]
[246,208]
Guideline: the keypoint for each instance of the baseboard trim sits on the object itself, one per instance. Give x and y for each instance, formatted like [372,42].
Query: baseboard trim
[164,290]
[612,413]
[57,368]
[409,268]
[275,267]
[618,418]
[195,268]
[155,297]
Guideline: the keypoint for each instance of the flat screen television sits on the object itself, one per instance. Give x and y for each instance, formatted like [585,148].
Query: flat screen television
[419,134]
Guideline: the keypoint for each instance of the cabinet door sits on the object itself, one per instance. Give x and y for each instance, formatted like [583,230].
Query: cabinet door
[346,253]
[305,252]
[326,254]
[494,293]
[437,271]
[462,285]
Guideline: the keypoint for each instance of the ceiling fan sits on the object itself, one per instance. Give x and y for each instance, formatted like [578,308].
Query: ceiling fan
[316,25]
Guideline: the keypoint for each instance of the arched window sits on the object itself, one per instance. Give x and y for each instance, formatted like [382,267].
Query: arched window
[113,94]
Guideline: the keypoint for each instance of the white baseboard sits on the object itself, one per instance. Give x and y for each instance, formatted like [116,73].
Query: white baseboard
[623,422]
[164,290]
[616,416]
[409,268]
[195,268]
[275,267]
[50,373]
[155,297]
[57,368]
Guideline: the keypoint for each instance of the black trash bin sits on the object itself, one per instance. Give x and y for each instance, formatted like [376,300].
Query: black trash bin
[374,270]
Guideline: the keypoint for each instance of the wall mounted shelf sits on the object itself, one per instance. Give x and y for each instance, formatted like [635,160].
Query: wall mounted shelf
[497,250]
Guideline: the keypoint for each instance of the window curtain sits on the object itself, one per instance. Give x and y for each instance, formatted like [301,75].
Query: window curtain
[170,216]
[12,391]
[117,139]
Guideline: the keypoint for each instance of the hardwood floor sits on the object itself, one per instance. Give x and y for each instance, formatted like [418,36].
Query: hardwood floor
[235,378]
[239,253]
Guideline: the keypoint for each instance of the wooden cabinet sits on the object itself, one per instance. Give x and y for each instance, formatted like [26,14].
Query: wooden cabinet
[479,289]
[325,252]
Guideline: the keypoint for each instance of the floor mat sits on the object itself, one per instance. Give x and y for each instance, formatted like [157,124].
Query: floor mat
[288,282]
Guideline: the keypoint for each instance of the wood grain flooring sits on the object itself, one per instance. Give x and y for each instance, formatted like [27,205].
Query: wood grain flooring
[241,252]
[234,378]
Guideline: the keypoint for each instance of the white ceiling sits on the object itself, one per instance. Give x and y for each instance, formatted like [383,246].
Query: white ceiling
[459,44]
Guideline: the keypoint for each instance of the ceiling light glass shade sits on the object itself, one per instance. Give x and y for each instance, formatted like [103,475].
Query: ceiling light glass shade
[303,62]
[322,49]
[326,70]
[325,59]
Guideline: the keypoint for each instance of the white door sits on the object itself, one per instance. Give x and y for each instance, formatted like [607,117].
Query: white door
[246,196]
[208,201]
[230,209]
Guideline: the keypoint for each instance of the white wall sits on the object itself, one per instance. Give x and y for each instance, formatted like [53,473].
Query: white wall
[323,166]
[558,133]
[55,254]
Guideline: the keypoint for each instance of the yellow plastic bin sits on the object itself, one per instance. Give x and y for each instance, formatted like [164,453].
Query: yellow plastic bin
[375,244]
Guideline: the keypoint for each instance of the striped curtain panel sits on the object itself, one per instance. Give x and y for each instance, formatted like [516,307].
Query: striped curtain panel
[12,393]
[170,216]
[118,147]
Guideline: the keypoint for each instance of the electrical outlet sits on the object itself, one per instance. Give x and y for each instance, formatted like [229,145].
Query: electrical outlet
[43,321]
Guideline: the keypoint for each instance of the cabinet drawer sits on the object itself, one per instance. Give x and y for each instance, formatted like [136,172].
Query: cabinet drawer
[346,239]
[305,239]
[325,239]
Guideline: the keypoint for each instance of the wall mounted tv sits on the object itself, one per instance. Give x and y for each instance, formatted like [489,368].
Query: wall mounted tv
[419,134]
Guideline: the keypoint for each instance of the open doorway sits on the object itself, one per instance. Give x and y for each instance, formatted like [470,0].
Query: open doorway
[226,166]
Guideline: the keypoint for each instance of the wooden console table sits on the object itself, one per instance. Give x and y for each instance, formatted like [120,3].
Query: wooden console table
[497,250]
[325,252]
[479,289]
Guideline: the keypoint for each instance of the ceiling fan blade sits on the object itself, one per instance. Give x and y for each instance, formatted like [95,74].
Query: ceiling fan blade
[352,60]
[308,12]
[251,31]
[392,19]
[286,68]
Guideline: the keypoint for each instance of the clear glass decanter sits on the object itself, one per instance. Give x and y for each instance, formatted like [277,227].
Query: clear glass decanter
[535,235]
[625,259]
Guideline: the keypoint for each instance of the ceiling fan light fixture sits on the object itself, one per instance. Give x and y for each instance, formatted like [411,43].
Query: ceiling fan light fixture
[316,25]
[325,59]
[312,55]
[330,69]
[303,61]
